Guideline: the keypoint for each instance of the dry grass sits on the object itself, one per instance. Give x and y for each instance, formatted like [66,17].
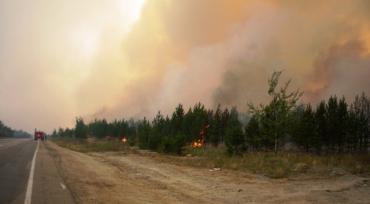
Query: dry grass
[91,145]
[285,164]
[280,165]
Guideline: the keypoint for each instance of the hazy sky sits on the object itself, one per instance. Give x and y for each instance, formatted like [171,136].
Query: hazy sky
[131,58]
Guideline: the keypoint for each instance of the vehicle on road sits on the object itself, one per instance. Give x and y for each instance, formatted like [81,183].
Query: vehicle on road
[39,135]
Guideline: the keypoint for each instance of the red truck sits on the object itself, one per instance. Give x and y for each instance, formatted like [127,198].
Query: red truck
[39,135]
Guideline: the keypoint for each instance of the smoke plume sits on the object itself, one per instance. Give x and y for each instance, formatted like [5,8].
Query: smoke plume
[214,52]
[223,53]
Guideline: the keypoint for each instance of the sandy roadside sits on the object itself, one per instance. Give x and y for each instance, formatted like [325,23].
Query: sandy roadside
[132,178]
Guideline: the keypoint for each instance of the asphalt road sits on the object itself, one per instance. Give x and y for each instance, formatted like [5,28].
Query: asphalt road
[15,164]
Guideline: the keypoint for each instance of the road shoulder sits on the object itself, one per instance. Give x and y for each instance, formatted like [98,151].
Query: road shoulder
[49,186]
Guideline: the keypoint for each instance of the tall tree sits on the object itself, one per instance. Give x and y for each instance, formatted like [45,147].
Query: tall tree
[252,134]
[361,110]
[80,129]
[187,124]
[199,120]
[305,136]
[216,127]
[98,128]
[158,131]
[342,120]
[224,123]
[144,130]
[321,125]
[177,120]
[235,140]
[275,116]
[332,122]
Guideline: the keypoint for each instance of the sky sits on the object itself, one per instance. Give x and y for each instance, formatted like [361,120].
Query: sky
[131,58]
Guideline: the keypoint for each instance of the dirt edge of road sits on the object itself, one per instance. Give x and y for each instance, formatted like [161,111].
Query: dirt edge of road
[132,178]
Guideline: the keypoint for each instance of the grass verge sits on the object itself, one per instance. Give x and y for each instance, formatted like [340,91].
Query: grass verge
[280,165]
[286,164]
[91,145]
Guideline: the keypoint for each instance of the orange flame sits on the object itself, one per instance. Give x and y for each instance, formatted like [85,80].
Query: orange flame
[197,144]
[200,142]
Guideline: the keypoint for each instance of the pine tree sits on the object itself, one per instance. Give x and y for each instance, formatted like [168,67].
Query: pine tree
[235,140]
[157,133]
[200,119]
[224,123]
[187,125]
[361,110]
[332,122]
[353,132]
[144,130]
[321,126]
[252,134]
[216,127]
[305,136]
[98,128]
[80,129]
[342,120]
[177,120]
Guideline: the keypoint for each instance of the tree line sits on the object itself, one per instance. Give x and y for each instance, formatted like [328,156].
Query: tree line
[331,126]
[6,131]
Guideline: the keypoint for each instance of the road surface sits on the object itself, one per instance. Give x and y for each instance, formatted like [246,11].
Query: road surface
[47,186]
[144,177]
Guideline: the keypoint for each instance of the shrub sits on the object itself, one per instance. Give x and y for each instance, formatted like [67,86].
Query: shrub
[173,145]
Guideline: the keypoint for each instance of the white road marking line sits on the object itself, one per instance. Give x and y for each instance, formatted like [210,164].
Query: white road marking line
[63,186]
[28,197]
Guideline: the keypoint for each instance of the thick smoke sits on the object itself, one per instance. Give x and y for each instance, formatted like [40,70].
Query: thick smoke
[214,52]
[324,53]
[342,70]
[223,53]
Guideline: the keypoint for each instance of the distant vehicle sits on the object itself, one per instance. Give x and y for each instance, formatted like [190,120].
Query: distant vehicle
[39,135]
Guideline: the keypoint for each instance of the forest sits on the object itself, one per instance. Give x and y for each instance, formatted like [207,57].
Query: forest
[6,131]
[284,123]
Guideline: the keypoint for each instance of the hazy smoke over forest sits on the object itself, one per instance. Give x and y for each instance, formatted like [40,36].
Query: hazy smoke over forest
[223,51]
[214,52]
